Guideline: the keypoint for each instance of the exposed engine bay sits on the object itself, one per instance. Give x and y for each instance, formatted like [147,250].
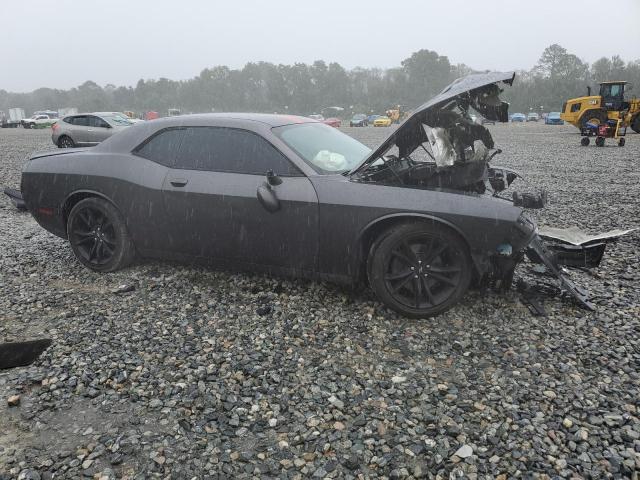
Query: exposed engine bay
[446,149]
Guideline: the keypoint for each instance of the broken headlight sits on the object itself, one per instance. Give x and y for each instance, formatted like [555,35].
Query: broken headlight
[530,200]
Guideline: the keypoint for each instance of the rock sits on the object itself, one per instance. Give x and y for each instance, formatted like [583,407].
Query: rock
[582,435]
[124,288]
[28,474]
[320,473]
[13,400]
[550,394]
[567,423]
[398,379]
[336,402]
[339,426]
[464,451]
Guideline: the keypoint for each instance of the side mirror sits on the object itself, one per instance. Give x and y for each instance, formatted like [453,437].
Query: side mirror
[273,179]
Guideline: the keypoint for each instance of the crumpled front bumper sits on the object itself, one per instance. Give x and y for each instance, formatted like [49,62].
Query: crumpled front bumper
[538,252]
[556,248]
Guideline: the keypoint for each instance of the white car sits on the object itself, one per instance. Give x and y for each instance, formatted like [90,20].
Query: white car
[39,120]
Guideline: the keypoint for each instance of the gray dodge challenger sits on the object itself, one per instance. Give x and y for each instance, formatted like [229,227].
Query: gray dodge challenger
[418,218]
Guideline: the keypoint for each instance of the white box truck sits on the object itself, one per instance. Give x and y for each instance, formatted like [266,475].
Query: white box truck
[16,115]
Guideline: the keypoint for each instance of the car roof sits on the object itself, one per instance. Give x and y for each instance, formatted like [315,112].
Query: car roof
[272,120]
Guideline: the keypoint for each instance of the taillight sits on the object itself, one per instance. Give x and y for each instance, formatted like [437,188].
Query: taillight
[54,126]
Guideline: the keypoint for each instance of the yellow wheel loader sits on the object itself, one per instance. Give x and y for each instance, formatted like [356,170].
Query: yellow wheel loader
[397,113]
[582,112]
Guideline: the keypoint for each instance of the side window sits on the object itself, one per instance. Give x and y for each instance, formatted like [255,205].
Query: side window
[80,121]
[162,147]
[97,122]
[219,149]
[575,107]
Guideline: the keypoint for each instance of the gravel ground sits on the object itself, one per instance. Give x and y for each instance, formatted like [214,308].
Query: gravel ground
[199,373]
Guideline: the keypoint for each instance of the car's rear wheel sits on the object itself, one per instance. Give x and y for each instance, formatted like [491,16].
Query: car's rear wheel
[600,141]
[65,142]
[419,269]
[98,235]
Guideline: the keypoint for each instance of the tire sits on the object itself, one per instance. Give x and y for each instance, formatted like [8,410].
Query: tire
[593,116]
[635,123]
[621,142]
[403,280]
[584,141]
[98,235]
[599,141]
[65,142]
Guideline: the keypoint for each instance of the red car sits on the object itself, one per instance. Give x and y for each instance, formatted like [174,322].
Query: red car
[332,122]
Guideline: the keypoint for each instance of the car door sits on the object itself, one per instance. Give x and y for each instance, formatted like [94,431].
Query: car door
[221,205]
[78,128]
[98,130]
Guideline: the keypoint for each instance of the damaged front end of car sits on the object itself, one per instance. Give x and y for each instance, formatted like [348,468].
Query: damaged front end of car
[440,147]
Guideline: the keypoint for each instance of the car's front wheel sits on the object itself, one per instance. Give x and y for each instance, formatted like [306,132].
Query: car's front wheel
[419,269]
[99,236]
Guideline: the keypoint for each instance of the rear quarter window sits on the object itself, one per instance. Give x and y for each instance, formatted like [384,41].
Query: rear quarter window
[162,147]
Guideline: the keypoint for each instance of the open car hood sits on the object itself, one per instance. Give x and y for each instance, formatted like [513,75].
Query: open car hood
[479,90]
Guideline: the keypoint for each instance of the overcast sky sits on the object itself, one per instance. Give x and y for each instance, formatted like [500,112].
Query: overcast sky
[62,43]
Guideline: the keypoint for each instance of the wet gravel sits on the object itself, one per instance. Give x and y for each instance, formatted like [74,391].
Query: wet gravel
[190,373]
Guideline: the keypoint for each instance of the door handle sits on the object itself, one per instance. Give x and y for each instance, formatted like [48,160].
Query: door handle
[178,182]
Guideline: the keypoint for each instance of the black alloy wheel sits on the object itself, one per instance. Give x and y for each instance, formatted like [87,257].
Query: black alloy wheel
[420,270]
[65,142]
[584,141]
[98,235]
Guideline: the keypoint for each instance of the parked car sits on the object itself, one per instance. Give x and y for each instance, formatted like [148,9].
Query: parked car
[382,121]
[40,120]
[553,118]
[88,129]
[358,120]
[289,195]
[332,122]
[518,117]
[372,118]
[533,117]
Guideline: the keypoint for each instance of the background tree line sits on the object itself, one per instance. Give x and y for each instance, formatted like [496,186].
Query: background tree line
[305,89]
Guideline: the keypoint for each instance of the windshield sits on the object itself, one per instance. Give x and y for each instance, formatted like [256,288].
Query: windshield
[326,149]
[359,117]
[118,120]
